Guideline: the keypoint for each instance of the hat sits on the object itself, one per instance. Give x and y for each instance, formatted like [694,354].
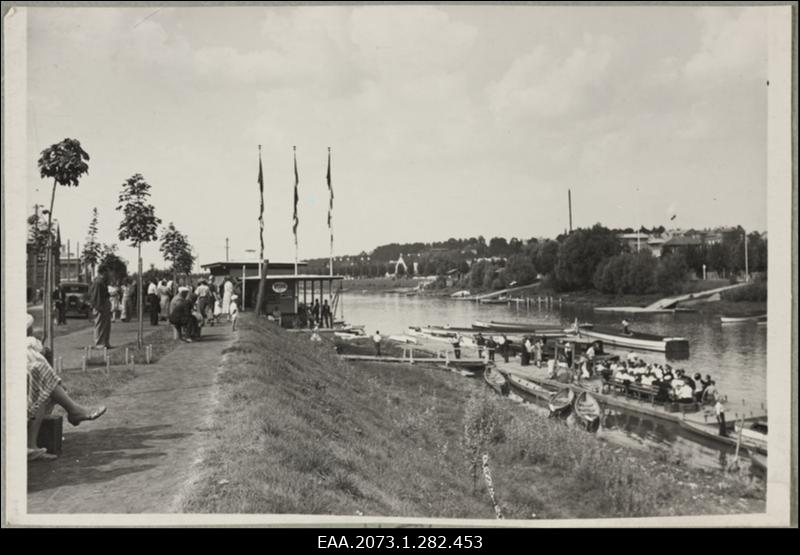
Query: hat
[234,297]
[29,322]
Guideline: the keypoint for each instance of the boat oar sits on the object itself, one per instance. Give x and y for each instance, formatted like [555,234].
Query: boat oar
[734,466]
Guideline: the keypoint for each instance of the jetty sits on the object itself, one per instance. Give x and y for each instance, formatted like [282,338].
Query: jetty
[669,304]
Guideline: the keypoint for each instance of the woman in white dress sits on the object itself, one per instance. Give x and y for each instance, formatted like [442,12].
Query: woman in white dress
[226,297]
[113,295]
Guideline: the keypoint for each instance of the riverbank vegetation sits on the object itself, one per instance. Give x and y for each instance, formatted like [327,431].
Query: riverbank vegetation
[298,430]
[598,258]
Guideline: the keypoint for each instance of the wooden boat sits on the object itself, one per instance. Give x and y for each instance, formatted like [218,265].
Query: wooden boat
[588,411]
[639,340]
[496,380]
[473,366]
[711,431]
[516,328]
[404,339]
[495,301]
[742,319]
[531,388]
[561,400]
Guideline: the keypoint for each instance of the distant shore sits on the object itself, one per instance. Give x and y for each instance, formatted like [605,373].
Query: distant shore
[590,298]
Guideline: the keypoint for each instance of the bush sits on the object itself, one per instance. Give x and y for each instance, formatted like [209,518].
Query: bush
[755,292]
[626,274]
[671,274]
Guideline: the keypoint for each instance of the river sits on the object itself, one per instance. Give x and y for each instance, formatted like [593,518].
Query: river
[734,355]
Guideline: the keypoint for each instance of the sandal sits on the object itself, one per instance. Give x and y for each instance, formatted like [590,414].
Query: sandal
[93,415]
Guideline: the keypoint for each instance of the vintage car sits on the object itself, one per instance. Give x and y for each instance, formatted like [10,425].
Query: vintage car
[77,295]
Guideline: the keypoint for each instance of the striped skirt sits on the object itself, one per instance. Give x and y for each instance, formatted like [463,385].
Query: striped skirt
[42,380]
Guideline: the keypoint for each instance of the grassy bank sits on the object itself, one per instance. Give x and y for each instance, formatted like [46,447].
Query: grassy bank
[298,430]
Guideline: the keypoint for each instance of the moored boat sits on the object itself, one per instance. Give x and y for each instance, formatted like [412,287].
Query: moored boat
[743,319]
[496,380]
[531,388]
[588,411]
[561,401]
[758,462]
[637,340]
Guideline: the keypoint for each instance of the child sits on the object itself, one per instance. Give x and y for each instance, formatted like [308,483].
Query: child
[217,310]
[233,311]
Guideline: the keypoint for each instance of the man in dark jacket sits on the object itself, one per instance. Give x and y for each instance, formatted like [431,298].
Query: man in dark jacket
[180,313]
[101,307]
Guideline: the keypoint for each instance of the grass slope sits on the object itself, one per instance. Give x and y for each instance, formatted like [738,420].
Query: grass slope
[299,431]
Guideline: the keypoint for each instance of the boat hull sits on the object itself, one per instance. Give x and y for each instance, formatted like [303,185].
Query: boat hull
[668,345]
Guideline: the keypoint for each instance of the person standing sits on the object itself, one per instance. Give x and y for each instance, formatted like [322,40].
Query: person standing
[60,303]
[203,293]
[538,347]
[327,319]
[179,315]
[101,307]
[164,295]
[626,327]
[113,296]
[376,340]
[227,292]
[480,341]
[127,290]
[234,311]
[719,411]
[315,311]
[457,345]
[491,347]
[153,304]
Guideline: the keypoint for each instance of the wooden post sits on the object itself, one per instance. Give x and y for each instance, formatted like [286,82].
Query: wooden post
[83,363]
[244,281]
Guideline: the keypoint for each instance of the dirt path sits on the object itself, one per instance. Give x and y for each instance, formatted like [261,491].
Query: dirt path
[139,456]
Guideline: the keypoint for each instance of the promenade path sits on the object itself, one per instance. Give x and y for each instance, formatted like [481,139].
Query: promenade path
[138,457]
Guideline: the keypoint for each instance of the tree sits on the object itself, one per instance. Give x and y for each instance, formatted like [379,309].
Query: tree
[116,265]
[546,256]
[37,241]
[176,249]
[671,273]
[580,254]
[65,163]
[139,225]
[92,250]
[498,246]
[520,269]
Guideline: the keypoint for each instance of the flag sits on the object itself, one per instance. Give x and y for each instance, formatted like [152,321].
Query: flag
[295,220]
[330,190]
[261,214]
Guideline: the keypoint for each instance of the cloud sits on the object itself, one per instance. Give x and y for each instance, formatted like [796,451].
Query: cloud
[734,42]
[545,85]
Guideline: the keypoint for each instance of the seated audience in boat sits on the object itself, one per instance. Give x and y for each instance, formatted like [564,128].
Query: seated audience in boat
[605,371]
[658,372]
[698,387]
[631,357]
[688,380]
[686,393]
[647,379]
[664,392]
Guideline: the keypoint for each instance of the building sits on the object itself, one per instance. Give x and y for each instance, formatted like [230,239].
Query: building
[285,290]
[634,241]
[35,268]
[680,244]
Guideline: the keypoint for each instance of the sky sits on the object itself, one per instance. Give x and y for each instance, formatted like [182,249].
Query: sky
[443,121]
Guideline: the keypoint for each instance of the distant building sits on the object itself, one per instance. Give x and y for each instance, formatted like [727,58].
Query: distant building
[680,244]
[35,267]
[634,241]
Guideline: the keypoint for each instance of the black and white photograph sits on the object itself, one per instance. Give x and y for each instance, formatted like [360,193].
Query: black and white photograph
[516,264]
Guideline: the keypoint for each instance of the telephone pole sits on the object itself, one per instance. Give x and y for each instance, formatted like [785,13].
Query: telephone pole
[227,249]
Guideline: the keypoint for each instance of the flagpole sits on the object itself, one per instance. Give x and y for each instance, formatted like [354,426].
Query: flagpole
[296,183]
[330,209]
[261,215]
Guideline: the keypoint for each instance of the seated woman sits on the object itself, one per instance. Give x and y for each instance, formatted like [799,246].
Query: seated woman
[44,392]
[685,393]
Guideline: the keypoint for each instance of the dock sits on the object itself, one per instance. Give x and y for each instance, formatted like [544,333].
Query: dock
[413,360]
[668,304]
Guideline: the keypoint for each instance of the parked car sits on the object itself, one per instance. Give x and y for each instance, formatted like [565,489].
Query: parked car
[77,295]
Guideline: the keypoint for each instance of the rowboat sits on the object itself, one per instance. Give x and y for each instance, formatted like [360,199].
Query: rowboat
[711,431]
[561,400]
[588,411]
[531,388]
[516,327]
[743,319]
[496,380]
[404,339]
[638,340]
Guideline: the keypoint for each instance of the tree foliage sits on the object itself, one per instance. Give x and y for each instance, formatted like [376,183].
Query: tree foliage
[37,233]
[64,162]
[175,249]
[92,250]
[580,254]
[116,265]
[139,223]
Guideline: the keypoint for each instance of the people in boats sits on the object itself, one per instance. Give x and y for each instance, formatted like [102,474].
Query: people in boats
[626,327]
[698,387]
[719,412]
[686,393]
[376,340]
[710,394]
[631,357]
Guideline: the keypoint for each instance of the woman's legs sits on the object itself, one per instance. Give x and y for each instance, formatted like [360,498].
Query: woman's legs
[35,424]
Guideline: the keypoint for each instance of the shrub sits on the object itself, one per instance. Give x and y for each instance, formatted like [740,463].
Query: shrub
[755,292]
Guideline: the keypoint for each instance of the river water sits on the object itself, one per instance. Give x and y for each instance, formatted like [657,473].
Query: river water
[734,354]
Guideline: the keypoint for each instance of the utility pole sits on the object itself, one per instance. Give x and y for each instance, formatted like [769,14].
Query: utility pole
[569,203]
[227,248]
[746,265]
